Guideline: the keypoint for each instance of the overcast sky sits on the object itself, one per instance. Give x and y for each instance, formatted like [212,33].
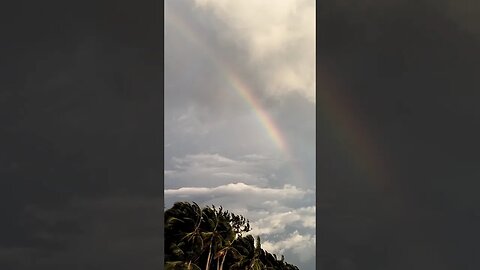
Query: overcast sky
[240,115]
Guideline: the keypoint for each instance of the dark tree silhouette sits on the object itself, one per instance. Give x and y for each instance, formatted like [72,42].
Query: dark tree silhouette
[210,238]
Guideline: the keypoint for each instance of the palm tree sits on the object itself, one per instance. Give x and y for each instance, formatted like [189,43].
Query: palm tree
[213,237]
[182,222]
[257,263]
[191,230]
[245,246]
[174,265]
[224,252]
[195,234]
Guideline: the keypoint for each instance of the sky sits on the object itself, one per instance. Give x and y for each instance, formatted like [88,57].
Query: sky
[240,115]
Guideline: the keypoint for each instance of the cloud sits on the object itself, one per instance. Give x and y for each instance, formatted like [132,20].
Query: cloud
[208,170]
[261,201]
[302,246]
[239,189]
[279,40]
[204,113]
[189,123]
[277,222]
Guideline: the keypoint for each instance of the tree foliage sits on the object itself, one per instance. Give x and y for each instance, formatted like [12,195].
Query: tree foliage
[213,239]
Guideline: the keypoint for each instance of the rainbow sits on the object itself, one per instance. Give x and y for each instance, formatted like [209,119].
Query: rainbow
[245,92]
[345,120]
[338,109]
[241,87]
[358,138]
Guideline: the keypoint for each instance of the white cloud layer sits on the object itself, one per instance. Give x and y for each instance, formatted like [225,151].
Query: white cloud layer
[241,191]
